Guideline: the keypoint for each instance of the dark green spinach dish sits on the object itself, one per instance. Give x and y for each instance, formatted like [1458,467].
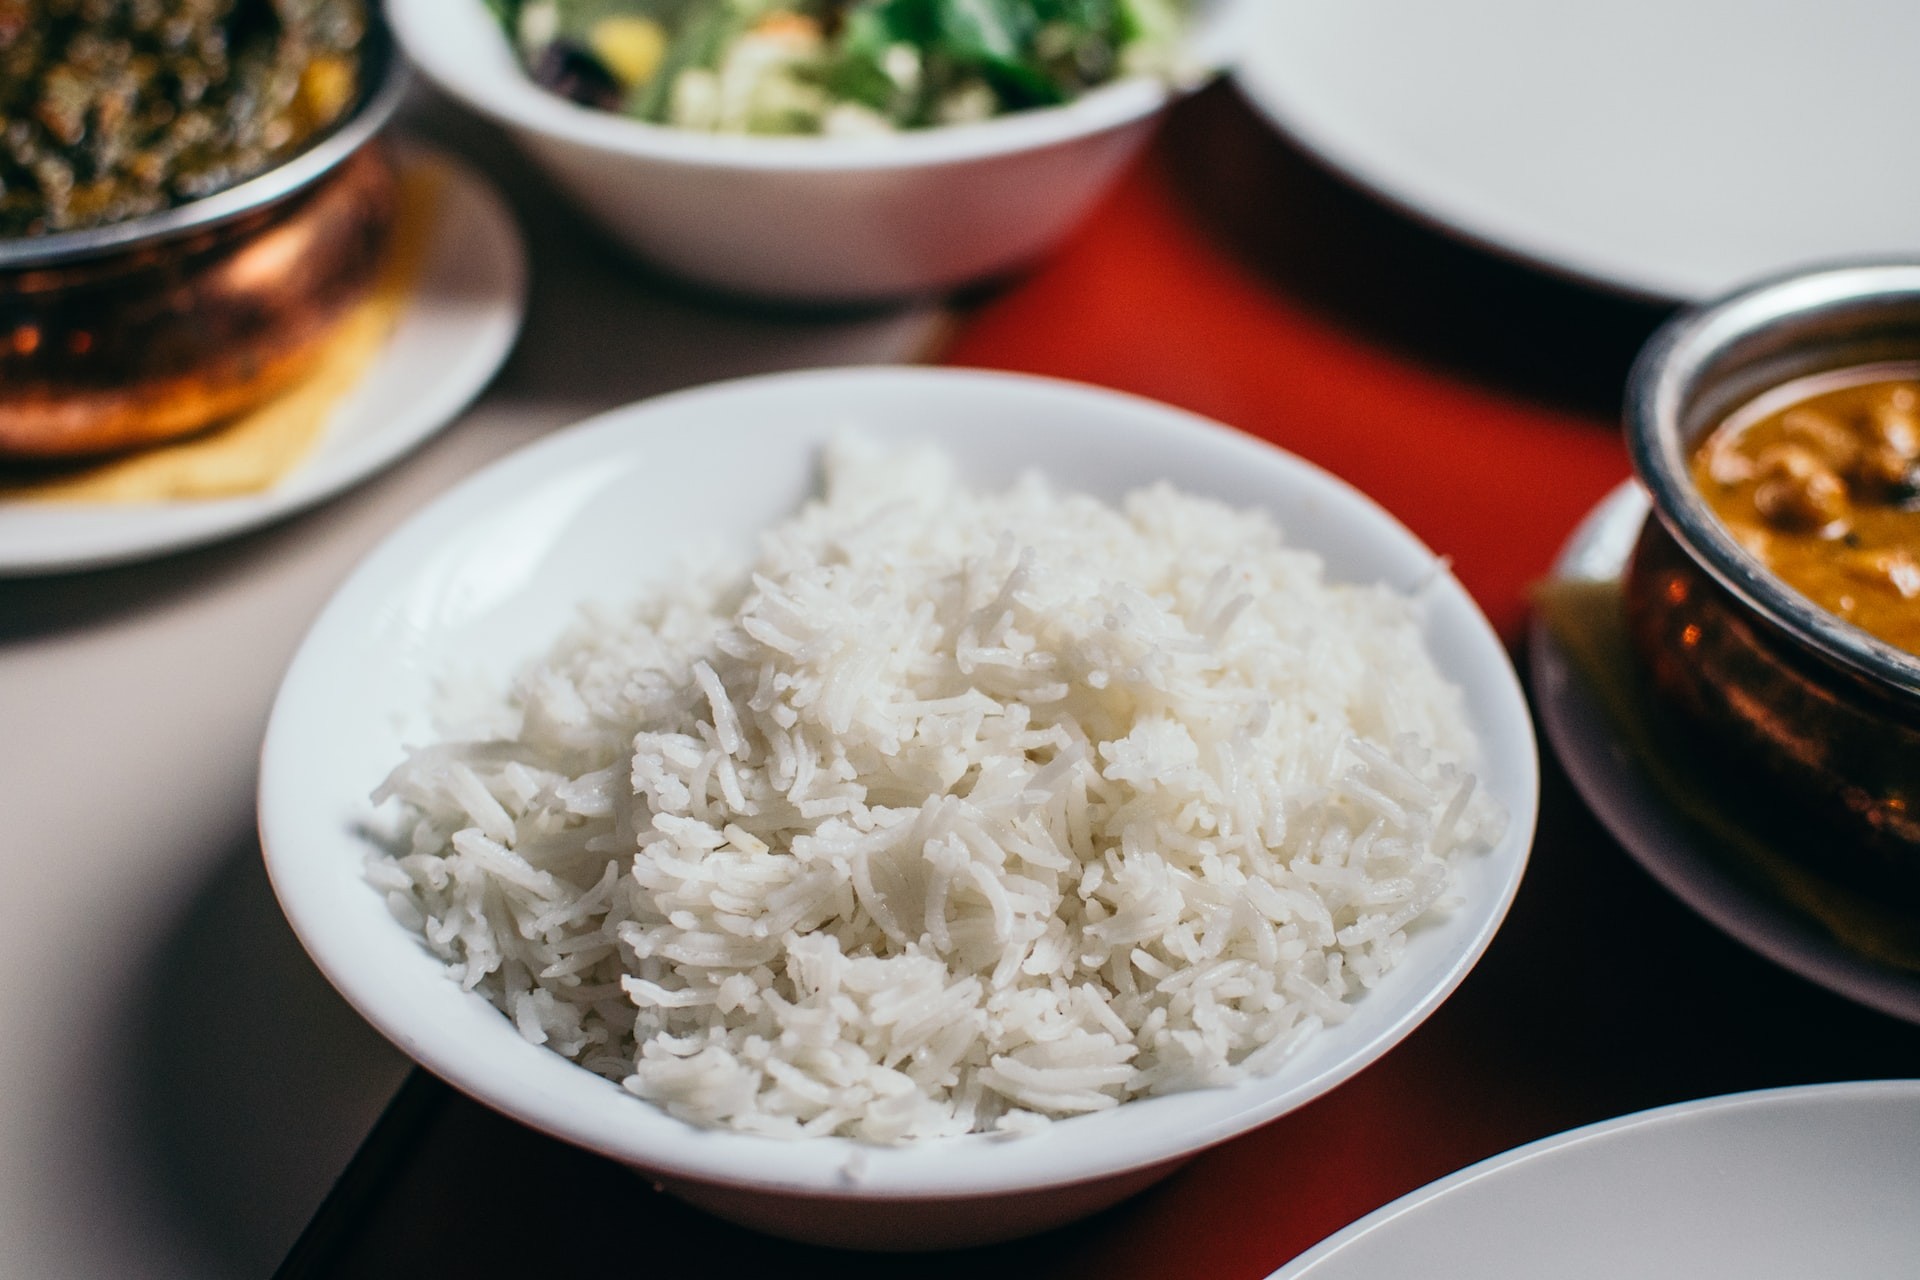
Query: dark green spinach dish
[111,109]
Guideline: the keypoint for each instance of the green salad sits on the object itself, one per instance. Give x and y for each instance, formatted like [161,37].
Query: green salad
[835,66]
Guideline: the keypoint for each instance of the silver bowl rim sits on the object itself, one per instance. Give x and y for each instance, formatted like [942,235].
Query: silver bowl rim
[1663,383]
[263,190]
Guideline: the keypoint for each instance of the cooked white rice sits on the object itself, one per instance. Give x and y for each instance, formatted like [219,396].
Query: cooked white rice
[954,812]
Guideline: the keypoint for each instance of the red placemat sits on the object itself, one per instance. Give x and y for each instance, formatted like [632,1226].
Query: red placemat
[1230,276]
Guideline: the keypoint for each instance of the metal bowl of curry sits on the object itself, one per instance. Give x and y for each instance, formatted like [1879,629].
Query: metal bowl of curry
[245,239]
[1774,597]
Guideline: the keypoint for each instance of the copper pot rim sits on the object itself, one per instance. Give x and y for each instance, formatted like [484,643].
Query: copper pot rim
[1708,362]
[379,99]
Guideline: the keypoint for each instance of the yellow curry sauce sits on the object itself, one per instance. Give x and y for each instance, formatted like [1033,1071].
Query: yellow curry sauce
[1821,481]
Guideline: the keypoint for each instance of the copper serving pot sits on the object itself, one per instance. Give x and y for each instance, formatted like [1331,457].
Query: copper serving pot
[160,326]
[1822,719]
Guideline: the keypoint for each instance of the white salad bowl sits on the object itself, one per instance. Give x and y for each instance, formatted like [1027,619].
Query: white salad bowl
[488,576]
[811,219]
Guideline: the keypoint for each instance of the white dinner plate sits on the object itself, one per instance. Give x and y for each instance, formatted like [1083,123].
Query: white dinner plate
[1666,148]
[1785,1184]
[1660,839]
[457,328]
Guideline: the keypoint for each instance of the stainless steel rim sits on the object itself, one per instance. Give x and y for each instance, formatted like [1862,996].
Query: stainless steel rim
[388,80]
[1708,359]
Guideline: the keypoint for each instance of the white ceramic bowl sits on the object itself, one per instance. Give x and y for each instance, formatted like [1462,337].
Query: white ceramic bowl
[810,219]
[1816,1180]
[488,575]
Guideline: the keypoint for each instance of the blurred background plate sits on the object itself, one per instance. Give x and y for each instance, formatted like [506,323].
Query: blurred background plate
[457,327]
[1664,148]
[1809,1181]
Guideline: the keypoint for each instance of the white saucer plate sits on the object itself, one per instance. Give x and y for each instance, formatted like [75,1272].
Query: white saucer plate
[456,331]
[1632,808]
[1670,149]
[1816,1180]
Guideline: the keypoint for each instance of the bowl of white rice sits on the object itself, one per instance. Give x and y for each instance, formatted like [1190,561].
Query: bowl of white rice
[898,808]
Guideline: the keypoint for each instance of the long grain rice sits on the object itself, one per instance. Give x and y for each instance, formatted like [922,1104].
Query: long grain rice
[951,812]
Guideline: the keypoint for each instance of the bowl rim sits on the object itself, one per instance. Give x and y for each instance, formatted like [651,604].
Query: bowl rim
[376,106]
[1663,384]
[517,102]
[561,1098]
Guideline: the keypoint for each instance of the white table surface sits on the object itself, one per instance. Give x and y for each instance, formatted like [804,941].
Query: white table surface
[181,1086]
